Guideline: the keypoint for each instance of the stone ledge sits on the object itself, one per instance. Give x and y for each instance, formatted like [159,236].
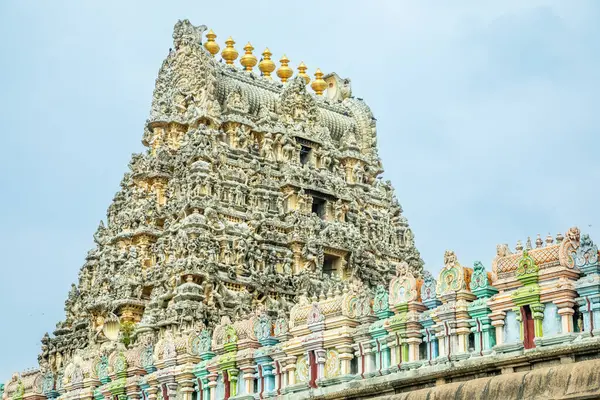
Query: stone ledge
[446,379]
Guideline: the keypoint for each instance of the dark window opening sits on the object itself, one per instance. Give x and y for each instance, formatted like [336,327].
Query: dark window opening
[471,345]
[354,366]
[423,350]
[305,153]
[330,264]
[319,207]
[146,291]
[577,320]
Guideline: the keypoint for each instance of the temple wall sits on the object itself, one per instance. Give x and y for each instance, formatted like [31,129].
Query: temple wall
[551,324]
[571,381]
[511,328]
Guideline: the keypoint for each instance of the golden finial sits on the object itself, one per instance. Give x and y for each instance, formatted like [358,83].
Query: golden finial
[284,72]
[229,53]
[302,72]
[266,65]
[248,60]
[211,46]
[319,83]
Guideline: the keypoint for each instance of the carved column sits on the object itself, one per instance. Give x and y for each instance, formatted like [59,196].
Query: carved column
[346,356]
[269,377]
[212,385]
[248,372]
[537,312]
[498,323]
[185,382]
[413,330]
[232,375]
[442,344]
[320,358]
[171,390]
[280,375]
[152,391]
[429,337]
[291,369]
[369,354]
[186,388]
[413,348]
[393,347]
[566,311]
[133,392]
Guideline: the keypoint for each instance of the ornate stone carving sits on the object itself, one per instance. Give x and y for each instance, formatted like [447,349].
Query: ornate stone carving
[452,276]
[249,194]
[586,255]
[568,247]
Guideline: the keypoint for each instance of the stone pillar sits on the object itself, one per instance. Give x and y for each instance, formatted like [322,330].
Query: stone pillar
[248,376]
[346,356]
[413,349]
[358,353]
[370,362]
[378,355]
[487,332]
[362,354]
[537,312]
[429,337]
[498,324]
[442,344]
[171,390]
[232,375]
[589,306]
[594,313]
[280,376]
[404,350]
[152,391]
[186,388]
[291,371]
[133,395]
[566,311]
[320,358]
[269,373]
[212,385]
[395,357]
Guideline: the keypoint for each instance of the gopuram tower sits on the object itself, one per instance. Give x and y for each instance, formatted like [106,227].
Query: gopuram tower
[253,252]
[253,194]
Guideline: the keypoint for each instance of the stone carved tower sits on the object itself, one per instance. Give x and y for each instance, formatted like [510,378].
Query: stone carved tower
[251,193]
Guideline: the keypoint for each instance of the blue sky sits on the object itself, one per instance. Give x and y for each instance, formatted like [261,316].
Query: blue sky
[487,120]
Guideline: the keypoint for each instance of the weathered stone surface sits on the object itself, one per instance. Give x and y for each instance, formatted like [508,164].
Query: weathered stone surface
[572,381]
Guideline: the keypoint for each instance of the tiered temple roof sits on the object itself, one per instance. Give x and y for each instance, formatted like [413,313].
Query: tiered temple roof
[253,251]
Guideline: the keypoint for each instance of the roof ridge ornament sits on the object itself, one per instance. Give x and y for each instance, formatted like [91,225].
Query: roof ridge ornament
[186,34]
[229,53]
[211,45]
[266,65]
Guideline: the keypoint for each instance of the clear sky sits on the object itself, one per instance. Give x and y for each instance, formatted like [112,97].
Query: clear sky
[487,120]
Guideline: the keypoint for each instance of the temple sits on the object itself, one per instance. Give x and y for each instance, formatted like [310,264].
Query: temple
[254,251]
